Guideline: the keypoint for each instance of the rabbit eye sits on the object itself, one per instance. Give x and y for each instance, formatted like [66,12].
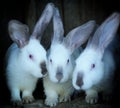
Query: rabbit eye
[68,61]
[31,56]
[93,66]
[50,60]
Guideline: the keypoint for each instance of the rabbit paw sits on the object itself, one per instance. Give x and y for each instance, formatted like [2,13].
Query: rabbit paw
[28,99]
[91,99]
[16,103]
[64,99]
[51,101]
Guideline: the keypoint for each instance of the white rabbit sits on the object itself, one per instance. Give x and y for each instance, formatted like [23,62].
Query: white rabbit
[26,57]
[94,70]
[58,84]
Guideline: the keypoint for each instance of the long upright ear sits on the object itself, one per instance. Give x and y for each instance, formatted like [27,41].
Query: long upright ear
[18,32]
[79,35]
[105,32]
[57,27]
[43,21]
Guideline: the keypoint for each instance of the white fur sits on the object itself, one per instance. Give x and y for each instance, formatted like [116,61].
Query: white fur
[57,92]
[98,79]
[60,61]
[99,51]
[93,76]
[22,72]
[26,57]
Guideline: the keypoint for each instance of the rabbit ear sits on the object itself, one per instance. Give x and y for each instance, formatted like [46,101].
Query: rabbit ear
[79,35]
[105,33]
[18,32]
[43,21]
[57,27]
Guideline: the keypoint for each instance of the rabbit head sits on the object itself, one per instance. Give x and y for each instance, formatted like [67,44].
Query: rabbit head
[90,67]
[28,53]
[60,62]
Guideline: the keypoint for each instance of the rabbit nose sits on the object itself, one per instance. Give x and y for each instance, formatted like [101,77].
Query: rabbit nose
[43,68]
[79,81]
[59,74]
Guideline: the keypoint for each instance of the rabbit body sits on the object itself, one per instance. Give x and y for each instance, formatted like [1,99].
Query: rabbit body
[94,70]
[60,90]
[99,79]
[26,58]
[60,60]
[55,87]
[22,72]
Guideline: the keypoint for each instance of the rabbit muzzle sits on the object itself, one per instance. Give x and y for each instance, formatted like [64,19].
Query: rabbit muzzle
[43,68]
[59,74]
[79,80]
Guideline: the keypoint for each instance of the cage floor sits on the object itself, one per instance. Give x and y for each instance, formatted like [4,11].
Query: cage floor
[76,103]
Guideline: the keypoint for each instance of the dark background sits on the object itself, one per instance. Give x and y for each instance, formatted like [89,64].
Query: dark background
[73,12]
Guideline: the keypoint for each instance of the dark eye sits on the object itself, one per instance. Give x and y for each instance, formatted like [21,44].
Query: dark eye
[30,56]
[50,60]
[68,61]
[93,66]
